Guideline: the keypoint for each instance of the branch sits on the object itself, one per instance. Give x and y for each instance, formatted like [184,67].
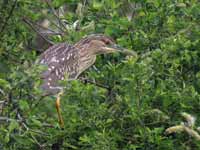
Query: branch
[45,28]
[32,26]
[56,15]
[2,92]
[6,119]
[84,80]
[10,14]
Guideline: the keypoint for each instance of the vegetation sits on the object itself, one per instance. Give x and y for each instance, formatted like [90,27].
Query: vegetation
[131,104]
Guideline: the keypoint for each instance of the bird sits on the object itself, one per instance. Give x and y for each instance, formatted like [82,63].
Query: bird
[64,60]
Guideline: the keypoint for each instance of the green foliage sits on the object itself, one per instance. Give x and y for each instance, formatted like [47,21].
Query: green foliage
[144,97]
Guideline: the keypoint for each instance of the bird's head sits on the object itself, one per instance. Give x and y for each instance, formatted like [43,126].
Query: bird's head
[101,44]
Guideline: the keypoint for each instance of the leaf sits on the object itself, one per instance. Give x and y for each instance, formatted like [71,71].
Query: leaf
[5,84]
[181,5]
[23,104]
[13,125]
[36,122]
[97,5]
[84,139]
[7,138]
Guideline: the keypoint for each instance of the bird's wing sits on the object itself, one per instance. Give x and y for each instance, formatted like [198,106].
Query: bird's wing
[61,60]
[51,55]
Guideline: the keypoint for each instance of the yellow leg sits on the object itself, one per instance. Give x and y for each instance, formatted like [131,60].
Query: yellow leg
[60,119]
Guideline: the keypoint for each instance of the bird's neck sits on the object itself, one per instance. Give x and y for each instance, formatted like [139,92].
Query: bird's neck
[86,62]
[86,59]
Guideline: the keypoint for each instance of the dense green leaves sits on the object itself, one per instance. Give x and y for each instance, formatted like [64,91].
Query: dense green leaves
[133,101]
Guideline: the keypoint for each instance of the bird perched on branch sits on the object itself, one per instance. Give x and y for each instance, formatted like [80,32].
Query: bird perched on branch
[71,60]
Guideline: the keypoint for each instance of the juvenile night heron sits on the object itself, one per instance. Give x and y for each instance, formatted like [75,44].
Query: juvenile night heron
[71,60]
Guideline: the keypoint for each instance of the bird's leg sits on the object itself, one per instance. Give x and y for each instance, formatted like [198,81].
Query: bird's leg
[60,119]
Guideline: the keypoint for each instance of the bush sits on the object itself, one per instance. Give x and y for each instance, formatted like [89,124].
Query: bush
[140,98]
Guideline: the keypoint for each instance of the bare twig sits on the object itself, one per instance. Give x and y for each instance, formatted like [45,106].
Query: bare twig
[45,28]
[56,15]
[2,102]
[31,25]
[36,141]
[39,132]
[2,92]
[93,82]
[6,119]
[57,26]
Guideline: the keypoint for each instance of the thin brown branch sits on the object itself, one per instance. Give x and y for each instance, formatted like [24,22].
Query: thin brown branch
[56,25]
[56,15]
[84,80]
[32,26]
[2,92]
[45,28]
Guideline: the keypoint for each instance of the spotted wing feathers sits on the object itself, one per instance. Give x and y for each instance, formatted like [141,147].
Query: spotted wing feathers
[61,61]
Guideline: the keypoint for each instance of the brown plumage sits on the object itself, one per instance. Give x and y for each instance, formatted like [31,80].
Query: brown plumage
[64,60]
[71,60]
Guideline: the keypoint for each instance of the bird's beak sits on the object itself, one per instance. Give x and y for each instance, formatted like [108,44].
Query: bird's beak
[117,48]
